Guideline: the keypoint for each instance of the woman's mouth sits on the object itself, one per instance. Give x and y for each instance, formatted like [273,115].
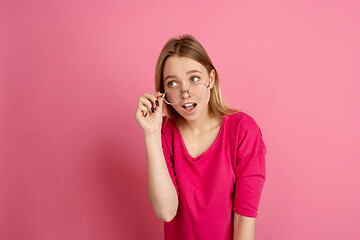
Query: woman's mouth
[189,107]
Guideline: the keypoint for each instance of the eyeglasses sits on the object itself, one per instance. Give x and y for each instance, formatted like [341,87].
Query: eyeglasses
[197,91]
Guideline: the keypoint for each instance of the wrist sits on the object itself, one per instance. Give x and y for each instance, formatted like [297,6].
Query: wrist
[153,135]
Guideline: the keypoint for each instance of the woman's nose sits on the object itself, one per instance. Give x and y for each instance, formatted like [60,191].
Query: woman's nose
[185,93]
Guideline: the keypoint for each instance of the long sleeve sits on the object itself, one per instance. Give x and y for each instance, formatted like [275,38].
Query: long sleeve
[250,168]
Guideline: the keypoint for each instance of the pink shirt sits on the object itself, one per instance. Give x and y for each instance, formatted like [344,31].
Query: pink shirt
[229,176]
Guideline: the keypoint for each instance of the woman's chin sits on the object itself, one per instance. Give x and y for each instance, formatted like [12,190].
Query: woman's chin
[189,115]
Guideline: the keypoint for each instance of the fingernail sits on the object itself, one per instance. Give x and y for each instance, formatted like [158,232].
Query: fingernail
[145,114]
[152,109]
[156,102]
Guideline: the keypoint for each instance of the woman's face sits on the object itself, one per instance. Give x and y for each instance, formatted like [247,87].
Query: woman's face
[181,73]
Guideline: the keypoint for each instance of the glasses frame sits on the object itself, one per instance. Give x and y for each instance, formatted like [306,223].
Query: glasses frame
[181,93]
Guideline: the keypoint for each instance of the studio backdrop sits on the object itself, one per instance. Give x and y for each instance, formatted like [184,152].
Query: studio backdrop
[72,157]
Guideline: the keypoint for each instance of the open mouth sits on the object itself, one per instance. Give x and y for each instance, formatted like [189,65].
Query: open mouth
[189,106]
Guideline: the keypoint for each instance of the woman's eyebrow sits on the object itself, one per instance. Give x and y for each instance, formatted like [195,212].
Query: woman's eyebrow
[173,76]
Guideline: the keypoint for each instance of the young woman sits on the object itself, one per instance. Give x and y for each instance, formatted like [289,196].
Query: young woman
[206,161]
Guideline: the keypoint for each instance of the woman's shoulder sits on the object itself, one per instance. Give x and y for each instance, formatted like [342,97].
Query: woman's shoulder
[166,121]
[242,120]
[167,125]
[239,117]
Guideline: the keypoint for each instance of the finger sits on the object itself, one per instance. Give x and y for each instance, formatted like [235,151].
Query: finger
[161,101]
[159,107]
[160,96]
[157,94]
[140,112]
[151,97]
[146,102]
[144,110]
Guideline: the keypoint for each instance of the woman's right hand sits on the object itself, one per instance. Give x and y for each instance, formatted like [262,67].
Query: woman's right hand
[149,121]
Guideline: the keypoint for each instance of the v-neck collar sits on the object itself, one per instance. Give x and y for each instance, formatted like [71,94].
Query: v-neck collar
[206,152]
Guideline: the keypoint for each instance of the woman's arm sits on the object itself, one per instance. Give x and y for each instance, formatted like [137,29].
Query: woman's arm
[161,191]
[244,227]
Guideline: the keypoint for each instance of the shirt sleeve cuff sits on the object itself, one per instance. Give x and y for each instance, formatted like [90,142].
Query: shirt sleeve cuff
[245,212]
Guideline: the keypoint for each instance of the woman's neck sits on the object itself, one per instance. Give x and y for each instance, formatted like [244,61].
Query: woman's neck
[199,126]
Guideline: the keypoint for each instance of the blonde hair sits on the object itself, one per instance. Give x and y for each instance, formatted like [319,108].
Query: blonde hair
[187,46]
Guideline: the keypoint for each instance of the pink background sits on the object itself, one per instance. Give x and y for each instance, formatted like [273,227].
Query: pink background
[72,157]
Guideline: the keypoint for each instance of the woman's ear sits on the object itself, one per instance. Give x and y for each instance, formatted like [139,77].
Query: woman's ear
[212,78]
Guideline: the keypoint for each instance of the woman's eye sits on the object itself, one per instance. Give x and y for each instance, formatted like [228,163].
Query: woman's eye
[194,77]
[169,84]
